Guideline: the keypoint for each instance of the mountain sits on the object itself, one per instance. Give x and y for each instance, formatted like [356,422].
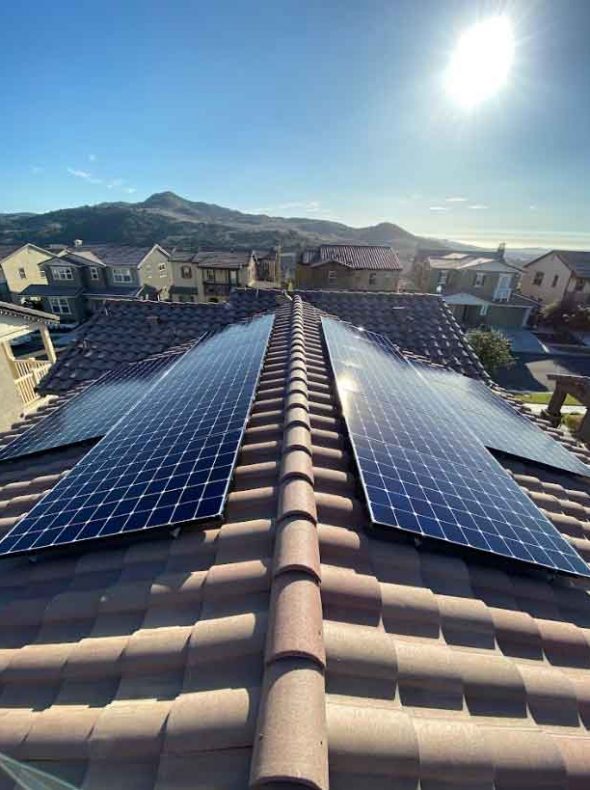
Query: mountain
[173,220]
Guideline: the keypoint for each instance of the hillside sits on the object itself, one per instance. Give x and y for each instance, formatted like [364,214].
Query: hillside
[172,220]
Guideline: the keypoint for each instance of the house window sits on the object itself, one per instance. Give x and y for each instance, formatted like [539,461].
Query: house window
[538,278]
[234,276]
[443,278]
[121,275]
[331,276]
[60,305]
[186,272]
[162,268]
[479,280]
[93,272]
[372,278]
[483,310]
[62,273]
[210,275]
[22,274]
[579,285]
[43,274]
[555,279]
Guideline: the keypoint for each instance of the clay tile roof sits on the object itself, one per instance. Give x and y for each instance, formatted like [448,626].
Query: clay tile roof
[354,256]
[287,646]
[125,330]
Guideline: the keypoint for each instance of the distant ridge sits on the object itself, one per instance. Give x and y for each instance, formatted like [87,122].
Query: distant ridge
[172,220]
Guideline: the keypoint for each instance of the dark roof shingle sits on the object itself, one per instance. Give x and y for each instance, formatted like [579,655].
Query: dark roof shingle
[354,256]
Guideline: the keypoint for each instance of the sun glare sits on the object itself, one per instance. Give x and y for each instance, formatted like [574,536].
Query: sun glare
[481,62]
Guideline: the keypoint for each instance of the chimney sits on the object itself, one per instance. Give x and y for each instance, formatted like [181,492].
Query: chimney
[501,250]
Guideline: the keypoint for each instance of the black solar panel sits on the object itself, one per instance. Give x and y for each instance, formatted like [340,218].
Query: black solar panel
[496,423]
[423,470]
[93,411]
[169,460]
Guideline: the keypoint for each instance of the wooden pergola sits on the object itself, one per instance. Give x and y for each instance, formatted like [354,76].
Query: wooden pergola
[579,388]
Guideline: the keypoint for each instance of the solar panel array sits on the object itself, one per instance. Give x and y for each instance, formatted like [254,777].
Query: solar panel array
[169,460]
[422,470]
[93,411]
[496,423]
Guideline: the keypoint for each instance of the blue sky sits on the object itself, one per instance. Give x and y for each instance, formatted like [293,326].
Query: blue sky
[330,110]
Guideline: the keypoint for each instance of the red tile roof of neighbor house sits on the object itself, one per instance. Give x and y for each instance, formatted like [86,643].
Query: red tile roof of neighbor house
[288,647]
[354,256]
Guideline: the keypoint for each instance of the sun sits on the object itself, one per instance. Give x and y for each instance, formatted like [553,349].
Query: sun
[481,63]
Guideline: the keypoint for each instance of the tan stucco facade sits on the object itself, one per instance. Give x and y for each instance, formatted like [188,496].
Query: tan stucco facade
[21,269]
[556,280]
[335,276]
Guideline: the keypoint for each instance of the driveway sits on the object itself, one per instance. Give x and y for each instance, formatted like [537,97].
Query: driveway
[531,371]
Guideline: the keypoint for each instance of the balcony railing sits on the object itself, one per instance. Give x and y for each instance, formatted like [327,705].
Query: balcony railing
[502,294]
[27,373]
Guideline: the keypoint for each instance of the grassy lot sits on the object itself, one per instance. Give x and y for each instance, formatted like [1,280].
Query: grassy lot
[544,397]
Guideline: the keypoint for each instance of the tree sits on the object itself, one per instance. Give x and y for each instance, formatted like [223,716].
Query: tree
[492,348]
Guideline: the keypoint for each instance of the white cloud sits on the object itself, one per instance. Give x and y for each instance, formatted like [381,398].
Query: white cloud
[92,157]
[532,208]
[438,208]
[36,169]
[111,183]
[456,200]
[478,207]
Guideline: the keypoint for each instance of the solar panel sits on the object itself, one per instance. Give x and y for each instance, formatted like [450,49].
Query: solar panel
[93,411]
[169,460]
[496,423]
[423,471]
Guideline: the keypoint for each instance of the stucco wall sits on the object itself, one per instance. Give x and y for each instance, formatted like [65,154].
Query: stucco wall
[27,258]
[345,278]
[550,265]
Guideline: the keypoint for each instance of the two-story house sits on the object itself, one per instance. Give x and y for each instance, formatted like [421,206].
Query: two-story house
[83,276]
[348,267]
[558,276]
[210,276]
[20,268]
[480,289]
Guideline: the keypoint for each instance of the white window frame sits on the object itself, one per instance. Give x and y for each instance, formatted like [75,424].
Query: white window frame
[483,310]
[93,271]
[122,274]
[372,278]
[22,273]
[538,278]
[234,277]
[63,273]
[60,305]
[479,279]
[443,277]
[162,266]
[331,276]
[186,272]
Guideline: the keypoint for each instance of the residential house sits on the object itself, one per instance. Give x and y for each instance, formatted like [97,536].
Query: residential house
[288,643]
[19,376]
[349,267]
[558,276]
[480,289]
[210,276]
[80,278]
[20,267]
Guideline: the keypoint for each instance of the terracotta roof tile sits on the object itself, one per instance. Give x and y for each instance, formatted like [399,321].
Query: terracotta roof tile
[288,646]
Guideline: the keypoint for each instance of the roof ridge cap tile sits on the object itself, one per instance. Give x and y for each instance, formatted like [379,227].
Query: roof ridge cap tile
[291,731]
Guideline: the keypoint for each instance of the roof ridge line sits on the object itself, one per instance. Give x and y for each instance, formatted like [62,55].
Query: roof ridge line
[291,732]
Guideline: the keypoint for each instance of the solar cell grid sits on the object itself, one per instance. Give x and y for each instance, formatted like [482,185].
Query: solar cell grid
[169,460]
[495,422]
[93,411]
[423,470]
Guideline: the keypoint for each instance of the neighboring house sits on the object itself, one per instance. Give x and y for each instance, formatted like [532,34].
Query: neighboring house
[479,289]
[349,267]
[210,276]
[20,265]
[20,376]
[288,643]
[557,276]
[80,278]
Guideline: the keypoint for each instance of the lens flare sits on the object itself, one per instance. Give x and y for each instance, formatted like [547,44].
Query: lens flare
[481,62]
